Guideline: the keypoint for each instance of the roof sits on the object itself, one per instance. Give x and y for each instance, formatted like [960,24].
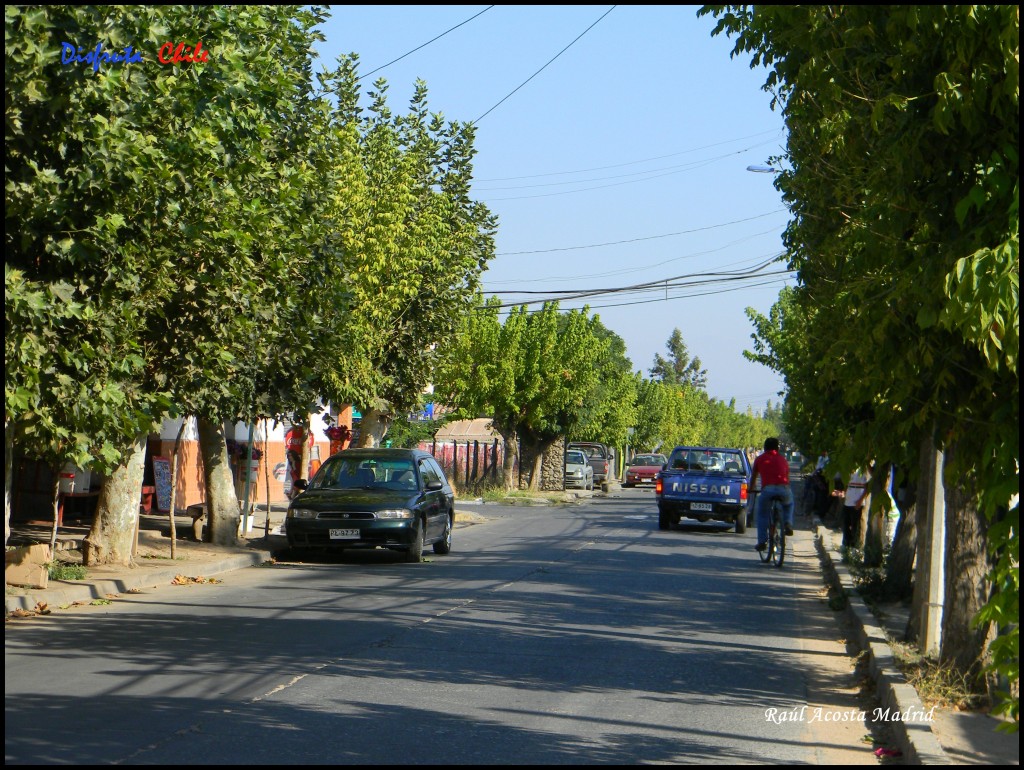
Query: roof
[479,429]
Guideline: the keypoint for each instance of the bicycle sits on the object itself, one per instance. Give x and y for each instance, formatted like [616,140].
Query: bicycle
[775,550]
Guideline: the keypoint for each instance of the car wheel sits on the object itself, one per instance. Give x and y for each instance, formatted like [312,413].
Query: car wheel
[741,523]
[415,553]
[663,519]
[444,545]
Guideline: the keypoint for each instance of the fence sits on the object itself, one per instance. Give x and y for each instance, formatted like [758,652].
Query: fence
[467,463]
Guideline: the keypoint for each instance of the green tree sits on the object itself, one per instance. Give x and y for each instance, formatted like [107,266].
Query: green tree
[902,175]
[535,375]
[679,368]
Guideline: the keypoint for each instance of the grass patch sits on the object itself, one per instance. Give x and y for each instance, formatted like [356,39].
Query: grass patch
[522,495]
[59,571]
[937,684]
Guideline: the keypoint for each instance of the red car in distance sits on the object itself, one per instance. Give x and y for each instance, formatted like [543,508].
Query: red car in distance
[642,469]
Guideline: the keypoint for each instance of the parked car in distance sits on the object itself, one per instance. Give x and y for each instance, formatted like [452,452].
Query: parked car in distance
[398,499]
[579,473]
[642,469]
[599,455]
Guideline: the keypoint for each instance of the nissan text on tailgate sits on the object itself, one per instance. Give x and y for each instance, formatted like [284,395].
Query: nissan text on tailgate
[703,483]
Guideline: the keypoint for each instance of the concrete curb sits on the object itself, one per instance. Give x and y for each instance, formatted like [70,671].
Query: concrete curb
[62,592]
[914,736]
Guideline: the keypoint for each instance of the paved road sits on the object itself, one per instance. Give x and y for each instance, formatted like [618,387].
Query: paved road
[578,635]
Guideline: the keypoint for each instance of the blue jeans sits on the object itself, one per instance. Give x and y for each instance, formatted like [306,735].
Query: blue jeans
[764,507]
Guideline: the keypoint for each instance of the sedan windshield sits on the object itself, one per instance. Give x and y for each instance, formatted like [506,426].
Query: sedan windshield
[658,460]
[575,458]
[365,473]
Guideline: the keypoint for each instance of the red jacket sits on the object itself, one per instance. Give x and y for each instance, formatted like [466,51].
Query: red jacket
[772,468]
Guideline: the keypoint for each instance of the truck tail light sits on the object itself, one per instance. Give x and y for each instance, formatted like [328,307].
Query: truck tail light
[743,492]
[659,485]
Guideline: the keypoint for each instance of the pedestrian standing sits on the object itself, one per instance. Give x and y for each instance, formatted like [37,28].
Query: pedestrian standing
[853,502]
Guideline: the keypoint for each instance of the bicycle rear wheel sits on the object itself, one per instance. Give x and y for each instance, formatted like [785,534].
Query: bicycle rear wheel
[778,544]
[766,554]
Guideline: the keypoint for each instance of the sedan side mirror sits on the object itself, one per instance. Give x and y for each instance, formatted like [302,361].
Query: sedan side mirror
[301,484]
[433,486]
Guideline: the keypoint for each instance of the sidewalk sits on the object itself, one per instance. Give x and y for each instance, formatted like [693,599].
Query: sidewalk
[153,563]
[953,737]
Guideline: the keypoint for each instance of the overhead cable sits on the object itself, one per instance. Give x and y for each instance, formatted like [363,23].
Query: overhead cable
[535,74]
[414,50]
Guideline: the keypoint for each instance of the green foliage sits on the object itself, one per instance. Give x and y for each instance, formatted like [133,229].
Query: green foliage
[902,176]
[409,433]
[679,368]
[540,375]
[58,571]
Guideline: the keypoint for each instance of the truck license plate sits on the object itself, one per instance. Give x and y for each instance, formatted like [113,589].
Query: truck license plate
[344,534]
[700,506]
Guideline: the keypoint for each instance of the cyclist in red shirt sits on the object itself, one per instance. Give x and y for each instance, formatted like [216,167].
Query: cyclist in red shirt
[774,472]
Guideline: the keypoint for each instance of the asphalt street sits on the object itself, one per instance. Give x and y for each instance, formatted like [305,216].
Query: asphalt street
[551,635]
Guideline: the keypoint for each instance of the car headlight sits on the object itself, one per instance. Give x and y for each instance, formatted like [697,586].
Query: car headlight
[301,513]
[394,513]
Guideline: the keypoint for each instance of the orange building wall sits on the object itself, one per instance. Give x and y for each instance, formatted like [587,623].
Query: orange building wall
[190,487]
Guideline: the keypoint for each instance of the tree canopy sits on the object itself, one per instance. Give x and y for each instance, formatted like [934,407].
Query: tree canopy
[901,172]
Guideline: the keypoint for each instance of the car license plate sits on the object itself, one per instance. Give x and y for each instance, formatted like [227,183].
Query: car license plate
[700,506]
[344,534]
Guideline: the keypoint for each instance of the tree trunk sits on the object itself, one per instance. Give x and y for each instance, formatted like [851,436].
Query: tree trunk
[922,525]
[111,538]
[874,536]
[533,459]
[899,572]
[222,514]
[174,488]
[508,465]
[373,427]
[967,589]
[8,477]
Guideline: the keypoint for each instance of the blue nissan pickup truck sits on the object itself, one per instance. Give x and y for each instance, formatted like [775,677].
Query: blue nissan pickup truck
[703,483]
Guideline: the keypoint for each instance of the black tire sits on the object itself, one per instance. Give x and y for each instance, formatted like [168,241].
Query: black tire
[741,522]
[664,520]
[780,549]
[414,555]
[769,549]
[444,546]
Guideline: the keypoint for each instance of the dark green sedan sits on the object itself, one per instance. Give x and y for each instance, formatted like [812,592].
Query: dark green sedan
[375,498]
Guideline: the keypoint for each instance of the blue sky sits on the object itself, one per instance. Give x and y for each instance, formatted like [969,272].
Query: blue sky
[622,162]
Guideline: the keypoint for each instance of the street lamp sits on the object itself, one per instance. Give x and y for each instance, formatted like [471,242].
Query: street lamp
[764,169]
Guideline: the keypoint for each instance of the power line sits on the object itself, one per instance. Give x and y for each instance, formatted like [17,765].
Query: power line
[659,283]
[414,50]
[643,238]
[679,167]
[535,74]
[690,167]
[638,269]
[663,285]
[689,295]
[629,163]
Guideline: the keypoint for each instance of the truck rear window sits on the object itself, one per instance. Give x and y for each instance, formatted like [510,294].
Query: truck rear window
[707,460]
